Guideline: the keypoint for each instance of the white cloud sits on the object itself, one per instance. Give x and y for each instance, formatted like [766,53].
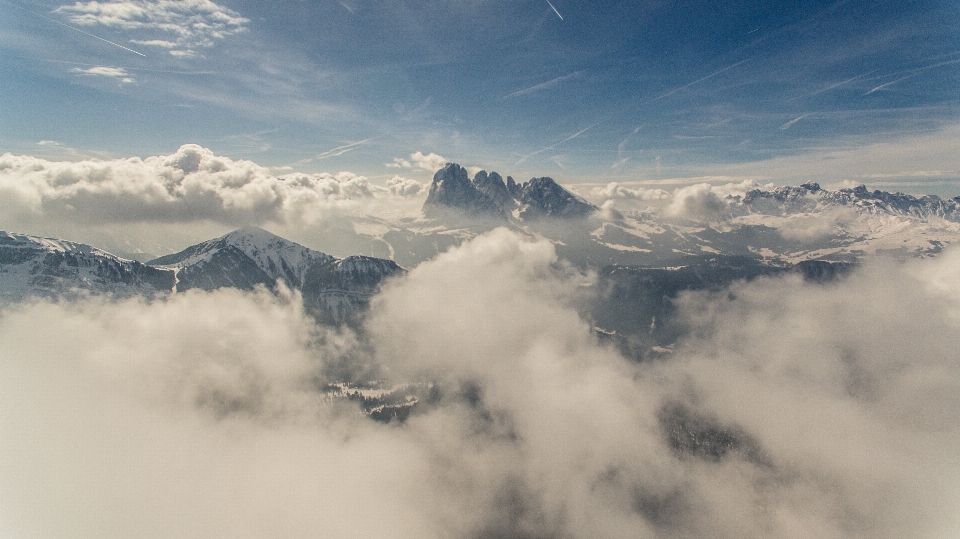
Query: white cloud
[404,187]
[615,190]
[814,226]
[190,185]
[697,203]
[429,163]
[161,43]
[183,24]
[117,73]
[200,415]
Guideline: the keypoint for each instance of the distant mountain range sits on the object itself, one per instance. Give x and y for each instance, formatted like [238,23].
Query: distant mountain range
[335,290]
[53,268]
[644,258]
[780,225]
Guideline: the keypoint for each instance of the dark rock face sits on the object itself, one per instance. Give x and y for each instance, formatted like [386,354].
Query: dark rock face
[451,188]
[543,197]
[493,187]
[340,290]
[488,195]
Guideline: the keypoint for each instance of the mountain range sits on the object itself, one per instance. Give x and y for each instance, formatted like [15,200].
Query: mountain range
[778,224]
[335,290]
[644,258]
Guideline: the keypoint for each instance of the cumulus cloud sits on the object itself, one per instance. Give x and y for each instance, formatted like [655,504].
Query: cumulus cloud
[615,190]
[814,226]
[190,185]
[404,187]
[428,163]
[791,410]
[174,25]
[118,73]
[696,203]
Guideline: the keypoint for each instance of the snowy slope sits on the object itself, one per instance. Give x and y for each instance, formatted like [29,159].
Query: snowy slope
[242,259]
[335,290]
[45,267]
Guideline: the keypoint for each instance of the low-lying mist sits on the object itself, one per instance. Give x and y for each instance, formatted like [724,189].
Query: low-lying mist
[789,409]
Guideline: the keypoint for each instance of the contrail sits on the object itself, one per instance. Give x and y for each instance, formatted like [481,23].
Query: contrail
[711,75]
[832,86]
[793,121]
[914,73]
[555,10]
[552,146]
[545,85]
[77,29]
[340,150]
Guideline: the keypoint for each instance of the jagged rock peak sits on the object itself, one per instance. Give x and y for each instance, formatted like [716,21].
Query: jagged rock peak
[488,194]
[452,188]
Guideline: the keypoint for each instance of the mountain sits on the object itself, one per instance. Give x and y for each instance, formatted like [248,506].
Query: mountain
[32,266]
[242,259]
[782,224]
[488,195]
[335,290]
[810,196]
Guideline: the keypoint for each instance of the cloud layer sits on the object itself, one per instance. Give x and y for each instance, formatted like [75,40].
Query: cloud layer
[190,185]
[791,410]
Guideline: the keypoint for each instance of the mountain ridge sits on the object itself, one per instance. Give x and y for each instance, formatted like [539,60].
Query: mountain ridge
[488,195]
[334,290]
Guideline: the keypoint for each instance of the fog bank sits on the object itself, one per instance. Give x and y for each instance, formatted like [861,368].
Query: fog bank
[790,410]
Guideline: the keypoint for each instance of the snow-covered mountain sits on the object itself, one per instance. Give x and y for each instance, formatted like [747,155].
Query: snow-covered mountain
[31,266]
[811,197]
[601,227]
[334,289]
[242,259]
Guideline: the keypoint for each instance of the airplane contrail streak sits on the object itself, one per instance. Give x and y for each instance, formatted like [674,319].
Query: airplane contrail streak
[914,73]
[78,30]
[711,75]
[793,121]
[545,85]
[555,10]
[340,150]
[554,145]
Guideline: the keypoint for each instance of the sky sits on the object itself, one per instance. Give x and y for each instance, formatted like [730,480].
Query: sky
[595,91]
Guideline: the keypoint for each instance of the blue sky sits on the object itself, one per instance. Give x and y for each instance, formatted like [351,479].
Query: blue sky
[581,91]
